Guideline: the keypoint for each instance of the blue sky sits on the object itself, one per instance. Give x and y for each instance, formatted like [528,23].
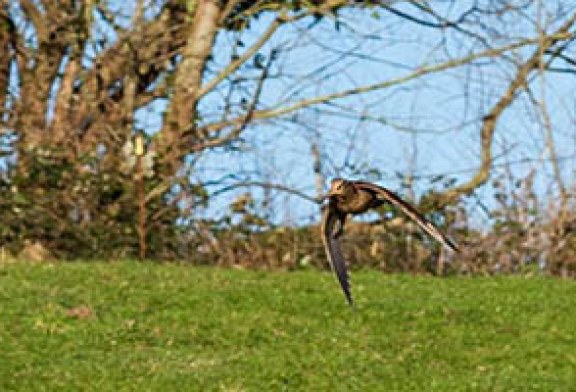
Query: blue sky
[427,127]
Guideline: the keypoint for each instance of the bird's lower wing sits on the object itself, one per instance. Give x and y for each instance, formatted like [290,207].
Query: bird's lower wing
[410,211]
[333,250]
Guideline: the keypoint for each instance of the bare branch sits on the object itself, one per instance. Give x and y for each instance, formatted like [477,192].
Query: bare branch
[423,71]
[519,82]
[34,15]
[234,65]
[269,185]
[7,33]
[181,113]
[247,117]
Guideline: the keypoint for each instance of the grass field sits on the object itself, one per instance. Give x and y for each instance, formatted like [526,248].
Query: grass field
[132,326]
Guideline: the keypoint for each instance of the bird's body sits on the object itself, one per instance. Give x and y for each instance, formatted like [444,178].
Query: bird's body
[355,201]
[356,197]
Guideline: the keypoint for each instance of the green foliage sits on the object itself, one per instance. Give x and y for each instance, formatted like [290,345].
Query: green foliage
[130,326]
[79,209]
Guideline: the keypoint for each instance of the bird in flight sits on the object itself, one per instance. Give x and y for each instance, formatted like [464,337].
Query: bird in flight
[355,197]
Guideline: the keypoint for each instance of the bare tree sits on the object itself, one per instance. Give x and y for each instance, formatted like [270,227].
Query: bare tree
[75,77]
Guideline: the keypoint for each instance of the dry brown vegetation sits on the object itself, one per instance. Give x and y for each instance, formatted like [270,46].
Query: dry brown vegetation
[518,243]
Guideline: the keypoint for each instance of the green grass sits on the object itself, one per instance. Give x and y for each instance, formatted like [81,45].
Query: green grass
[180,328]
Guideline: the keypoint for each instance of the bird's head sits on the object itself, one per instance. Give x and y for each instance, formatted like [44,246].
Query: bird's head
[340,187]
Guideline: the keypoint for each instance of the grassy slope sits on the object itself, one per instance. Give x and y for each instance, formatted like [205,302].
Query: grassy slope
[170,327]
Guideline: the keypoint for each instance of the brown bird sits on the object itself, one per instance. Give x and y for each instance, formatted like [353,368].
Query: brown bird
[355,197]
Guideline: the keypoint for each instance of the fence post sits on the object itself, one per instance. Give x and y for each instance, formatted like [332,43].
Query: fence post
[139,152]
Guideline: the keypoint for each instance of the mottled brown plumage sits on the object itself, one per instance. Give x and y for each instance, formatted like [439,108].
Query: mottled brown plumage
[355,197]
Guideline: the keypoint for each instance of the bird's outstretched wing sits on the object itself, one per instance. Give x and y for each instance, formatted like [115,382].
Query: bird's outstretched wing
[332,246]
[409,210]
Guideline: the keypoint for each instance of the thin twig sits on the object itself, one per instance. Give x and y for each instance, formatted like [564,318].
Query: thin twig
[423,71]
